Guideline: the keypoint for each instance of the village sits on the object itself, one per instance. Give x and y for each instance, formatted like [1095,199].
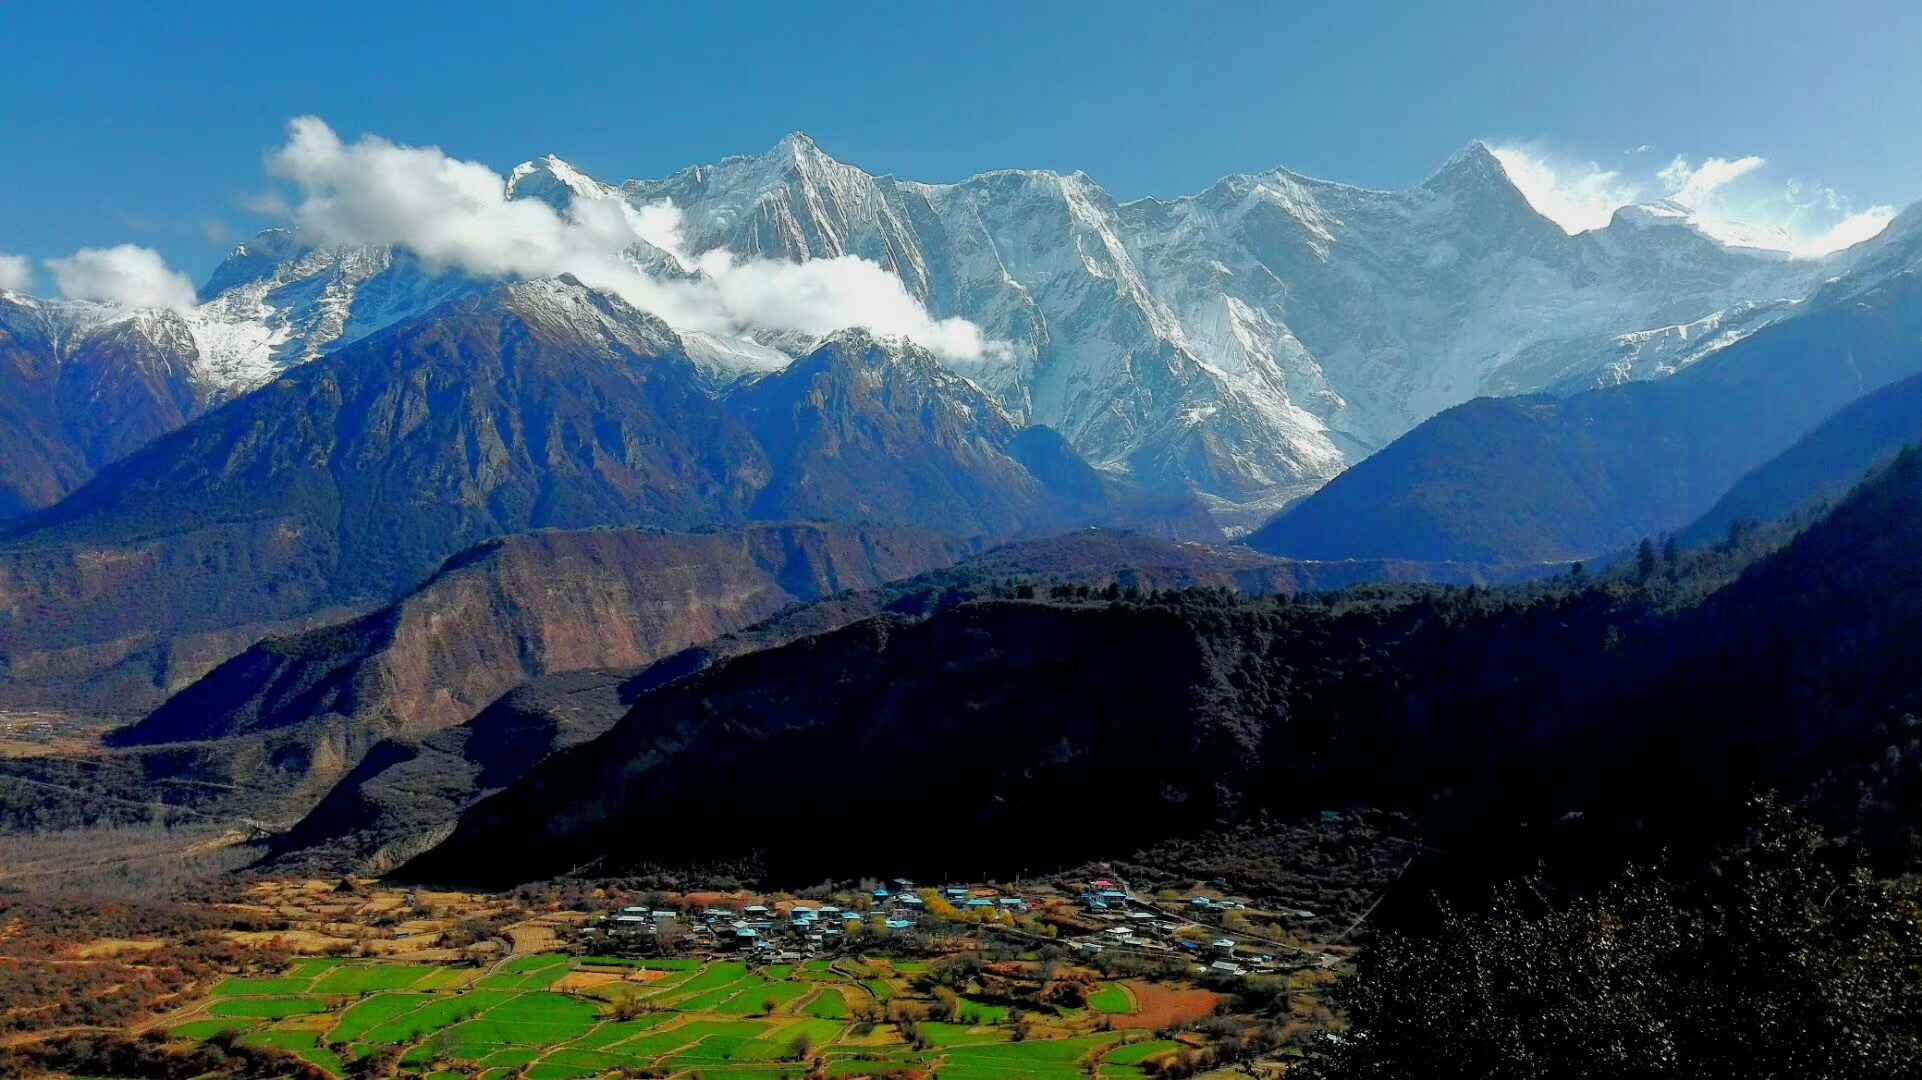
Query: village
[1213,934]
[1079,975]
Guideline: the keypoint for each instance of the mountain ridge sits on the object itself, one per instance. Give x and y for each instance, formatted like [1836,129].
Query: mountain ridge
[1213,342]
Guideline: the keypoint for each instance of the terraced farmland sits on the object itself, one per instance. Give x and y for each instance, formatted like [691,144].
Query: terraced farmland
[568,1018]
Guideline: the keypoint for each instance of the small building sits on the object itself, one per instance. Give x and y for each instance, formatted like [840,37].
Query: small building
[1224,945]
[882,894]
[980,902]
[909,900]
[1223,967]
[899,924]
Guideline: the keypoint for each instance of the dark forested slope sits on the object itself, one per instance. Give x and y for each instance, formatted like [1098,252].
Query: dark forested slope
[1031,731]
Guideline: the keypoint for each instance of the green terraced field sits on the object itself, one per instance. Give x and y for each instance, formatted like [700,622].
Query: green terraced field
[828,1004]
[272,1008]
[719,1019]
[1111,999]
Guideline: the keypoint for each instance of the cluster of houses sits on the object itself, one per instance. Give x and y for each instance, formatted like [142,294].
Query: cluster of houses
[1140,925]
[792,929]
[788,930]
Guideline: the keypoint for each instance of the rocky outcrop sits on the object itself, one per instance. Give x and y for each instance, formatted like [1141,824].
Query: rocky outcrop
[516,609]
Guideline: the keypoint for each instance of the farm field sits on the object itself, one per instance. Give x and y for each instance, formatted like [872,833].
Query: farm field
[558,1017]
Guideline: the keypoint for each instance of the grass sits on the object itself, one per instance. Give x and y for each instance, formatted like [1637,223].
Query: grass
[266,1008]
[261,986]
[646,965]
[1111,999]
[366,978]
[522,964]
[753,1000]
[827,1004]
[1125,1062]
[615,1031]
[291,1041]
[372,1013]
[714,976]
[437,1013]
[977,1012]
[206,1029]
[1036,1059]
[709,1021]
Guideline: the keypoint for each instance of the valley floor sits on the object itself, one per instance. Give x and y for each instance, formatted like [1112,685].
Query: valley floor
[350,979]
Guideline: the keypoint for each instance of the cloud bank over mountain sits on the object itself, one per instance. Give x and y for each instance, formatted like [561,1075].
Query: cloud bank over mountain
[124,274]
[1736,200]
[458,214]
[16,273]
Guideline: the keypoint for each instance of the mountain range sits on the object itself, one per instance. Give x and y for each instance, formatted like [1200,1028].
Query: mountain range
[1543,478]
[321,524]
[1246,343]
[541,404]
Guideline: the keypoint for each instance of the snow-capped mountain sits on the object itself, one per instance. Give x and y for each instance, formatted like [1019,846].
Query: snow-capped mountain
[1248,342]
[1258,337]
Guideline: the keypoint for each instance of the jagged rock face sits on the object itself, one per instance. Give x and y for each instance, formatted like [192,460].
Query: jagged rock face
[1258,337]
[81,386]
[865,432]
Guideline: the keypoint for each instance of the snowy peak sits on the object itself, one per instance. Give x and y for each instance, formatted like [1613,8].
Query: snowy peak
[565,309]
[555,182]
[1768,240]
[1473,166]
[1248,342]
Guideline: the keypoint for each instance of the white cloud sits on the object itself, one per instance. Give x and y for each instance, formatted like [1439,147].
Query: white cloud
[1695,186]
[16,273]
[1578,197]
[1732,199]
[267,204]
[129,275]
[456,214]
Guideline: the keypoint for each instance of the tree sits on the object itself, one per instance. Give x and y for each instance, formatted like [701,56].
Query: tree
[1774,963]
[1646,560]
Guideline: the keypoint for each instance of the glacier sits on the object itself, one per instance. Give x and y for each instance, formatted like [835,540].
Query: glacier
[1246,343]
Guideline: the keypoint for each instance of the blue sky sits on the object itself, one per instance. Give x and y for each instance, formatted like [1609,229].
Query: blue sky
[148,124]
